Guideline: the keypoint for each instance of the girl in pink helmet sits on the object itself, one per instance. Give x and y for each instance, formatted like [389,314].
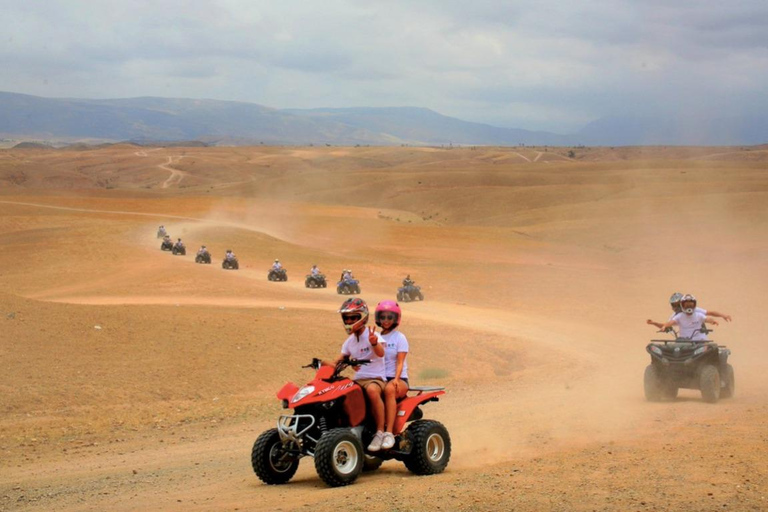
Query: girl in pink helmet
[388,315]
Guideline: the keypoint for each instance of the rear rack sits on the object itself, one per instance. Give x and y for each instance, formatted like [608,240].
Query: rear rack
[426,389]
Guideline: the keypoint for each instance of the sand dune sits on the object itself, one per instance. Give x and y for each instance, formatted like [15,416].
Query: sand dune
[137,380]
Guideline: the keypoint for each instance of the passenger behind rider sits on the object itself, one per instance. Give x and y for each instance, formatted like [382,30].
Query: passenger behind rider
[363,343]
[388,316]
[674,302]
[202,250]
[690,320]
[229,256]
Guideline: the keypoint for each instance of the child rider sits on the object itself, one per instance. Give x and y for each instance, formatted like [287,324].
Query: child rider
[363,343]
[387,316]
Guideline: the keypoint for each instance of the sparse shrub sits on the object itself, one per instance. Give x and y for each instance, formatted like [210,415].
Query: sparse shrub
[571,153]
[433,373]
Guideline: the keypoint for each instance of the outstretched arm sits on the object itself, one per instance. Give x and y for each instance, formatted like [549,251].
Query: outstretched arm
[658,325]
[725,317]
[711,320]
[667,325]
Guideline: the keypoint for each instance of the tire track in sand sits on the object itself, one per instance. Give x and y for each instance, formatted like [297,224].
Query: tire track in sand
[176,175]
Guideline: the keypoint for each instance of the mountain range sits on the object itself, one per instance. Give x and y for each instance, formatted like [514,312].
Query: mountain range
[215,122]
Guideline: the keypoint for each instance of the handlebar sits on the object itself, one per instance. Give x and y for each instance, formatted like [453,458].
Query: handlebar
[340,366]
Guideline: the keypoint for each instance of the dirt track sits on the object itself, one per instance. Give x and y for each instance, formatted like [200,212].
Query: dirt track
[137,380]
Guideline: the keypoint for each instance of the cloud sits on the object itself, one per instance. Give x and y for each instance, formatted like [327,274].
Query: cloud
[531,64]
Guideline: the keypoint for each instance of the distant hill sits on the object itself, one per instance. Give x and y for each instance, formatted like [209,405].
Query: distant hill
[213,122]
[689,130]
[426,126]
[238,123]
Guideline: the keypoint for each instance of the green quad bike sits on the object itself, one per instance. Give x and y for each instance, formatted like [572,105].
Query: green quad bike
[684,363]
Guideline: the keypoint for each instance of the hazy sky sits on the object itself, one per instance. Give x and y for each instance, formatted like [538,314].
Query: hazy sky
[534,64]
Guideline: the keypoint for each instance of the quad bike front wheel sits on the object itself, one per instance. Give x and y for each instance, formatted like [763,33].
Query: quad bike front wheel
[709,382]
[339,457]
[271,462]
[729,383]
[431,447]
[653,385]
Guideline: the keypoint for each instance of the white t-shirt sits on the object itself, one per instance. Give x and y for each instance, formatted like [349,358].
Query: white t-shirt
[689,325]
[394,343]
[360,348]
[315,271]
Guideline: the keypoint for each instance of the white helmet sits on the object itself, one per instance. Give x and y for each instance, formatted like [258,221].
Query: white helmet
[688,298]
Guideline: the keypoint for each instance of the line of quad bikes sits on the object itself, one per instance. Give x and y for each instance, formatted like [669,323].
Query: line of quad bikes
[327,419]
[346,286]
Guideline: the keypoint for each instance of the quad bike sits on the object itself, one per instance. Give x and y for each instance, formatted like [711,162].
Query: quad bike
[348,286]
[230,264]
[683,363]
[167,245]
[315,281]
[330,424]
[277,274]
[179,249]
[203,257]
[161,232]
[409,293]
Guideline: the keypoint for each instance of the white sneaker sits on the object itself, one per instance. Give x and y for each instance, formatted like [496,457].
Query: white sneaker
[388,442]
[376,442]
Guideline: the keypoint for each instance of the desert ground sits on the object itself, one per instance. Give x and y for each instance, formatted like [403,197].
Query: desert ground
[136,380]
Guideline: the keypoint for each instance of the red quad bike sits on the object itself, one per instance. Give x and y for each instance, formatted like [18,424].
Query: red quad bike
[321,427]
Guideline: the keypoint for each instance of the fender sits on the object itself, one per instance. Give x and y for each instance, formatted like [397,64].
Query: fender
[287,391]
[407,405]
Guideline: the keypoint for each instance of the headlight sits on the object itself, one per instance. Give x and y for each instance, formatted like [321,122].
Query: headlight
[700,350]
[656,350]
[303,392]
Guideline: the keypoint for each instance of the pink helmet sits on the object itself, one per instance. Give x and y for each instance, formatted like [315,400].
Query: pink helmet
[391,306]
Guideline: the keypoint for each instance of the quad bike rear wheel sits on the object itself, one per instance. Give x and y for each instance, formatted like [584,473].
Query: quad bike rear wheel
[339,457]
[431,447]
[709,382]
[729,383]
[271,462]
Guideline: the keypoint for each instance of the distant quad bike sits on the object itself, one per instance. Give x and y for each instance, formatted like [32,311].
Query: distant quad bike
[230,264]
[167,245]
[161,232]
[409,293]
[348,287]
[682,363]
[203,257]
[179,248]
[321,428]
[317,281]
[277,275]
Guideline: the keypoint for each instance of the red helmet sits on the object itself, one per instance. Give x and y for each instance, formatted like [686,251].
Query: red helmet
[357,310]
[391,306]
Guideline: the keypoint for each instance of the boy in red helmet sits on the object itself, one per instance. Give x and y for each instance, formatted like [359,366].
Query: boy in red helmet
[363,343]
[387,316]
